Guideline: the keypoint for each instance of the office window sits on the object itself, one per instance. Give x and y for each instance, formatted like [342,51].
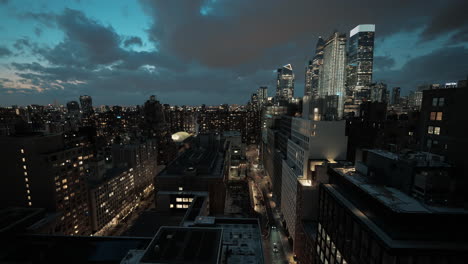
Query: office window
[439,116]
[430,130]
[435,101]
[436,130]
[441,101]
[433,116]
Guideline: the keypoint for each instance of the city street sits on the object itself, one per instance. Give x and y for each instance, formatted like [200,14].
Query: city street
[275,236]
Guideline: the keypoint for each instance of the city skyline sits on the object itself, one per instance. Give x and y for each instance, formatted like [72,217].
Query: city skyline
[124,52]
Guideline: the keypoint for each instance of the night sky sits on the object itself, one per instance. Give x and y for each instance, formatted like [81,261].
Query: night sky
[213,51]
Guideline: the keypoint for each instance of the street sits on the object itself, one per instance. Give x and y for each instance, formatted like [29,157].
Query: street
[273,230]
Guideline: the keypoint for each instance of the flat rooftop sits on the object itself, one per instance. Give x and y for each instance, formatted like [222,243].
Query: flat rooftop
[241,240]
[199,162]
[418,158]
[69,249]
[391,197]
[14,216]
[184,245]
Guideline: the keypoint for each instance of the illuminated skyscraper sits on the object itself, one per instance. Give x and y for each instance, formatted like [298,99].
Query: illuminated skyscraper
[332,73]
[360,57]
[285,83]
[312,70]
[262,93]
[86,104]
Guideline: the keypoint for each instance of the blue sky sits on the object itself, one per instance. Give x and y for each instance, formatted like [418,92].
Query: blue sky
[210,51]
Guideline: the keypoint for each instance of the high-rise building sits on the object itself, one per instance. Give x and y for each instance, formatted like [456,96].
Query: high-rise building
[155,126]
[396,95]
[45,171]
[443,131]
[73,107]
[362,219]
[360,57]
[378,93]
[311,144]
[332,73]
[312,70]
[285,83]
[86,104]
[262,93]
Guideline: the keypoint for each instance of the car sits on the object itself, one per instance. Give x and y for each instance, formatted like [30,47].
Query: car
[273,227]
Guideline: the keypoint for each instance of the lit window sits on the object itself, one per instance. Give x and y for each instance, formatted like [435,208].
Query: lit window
[185,206]
[22,151]
[27,185]
[433,116]
[171,206]
[179,206]
[181,188]
[24,167]
[28,191]
[430,130]
[178,200]
[436,130]
[439,116]
[25,173]
[30,204]
[29,197]
[65,187]
[24,160]
[26,179]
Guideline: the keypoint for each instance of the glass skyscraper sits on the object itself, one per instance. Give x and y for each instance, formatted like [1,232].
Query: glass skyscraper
[312,70]
[360,57]
[285,83]
[332,73]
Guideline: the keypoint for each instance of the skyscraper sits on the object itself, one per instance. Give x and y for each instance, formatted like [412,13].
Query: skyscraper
[285,83]
[332,72]
[360,57]
[47,171]
[262,93]
[86,104]
[312,70]
[396,95]
[73,107]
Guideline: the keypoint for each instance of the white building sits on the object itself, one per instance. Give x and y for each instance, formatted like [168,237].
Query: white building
[333,71]
[312,144]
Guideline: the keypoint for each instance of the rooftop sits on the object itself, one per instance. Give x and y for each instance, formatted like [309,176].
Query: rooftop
[198,161]
[241,240]
[391,197]
[184,245]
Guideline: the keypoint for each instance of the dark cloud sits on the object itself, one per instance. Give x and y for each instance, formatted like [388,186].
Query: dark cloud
[21,44]
[220,51]
[133,41]
[238,32]
[440,66]
[383,63]
[452,18]
[38,31]
[4,52]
